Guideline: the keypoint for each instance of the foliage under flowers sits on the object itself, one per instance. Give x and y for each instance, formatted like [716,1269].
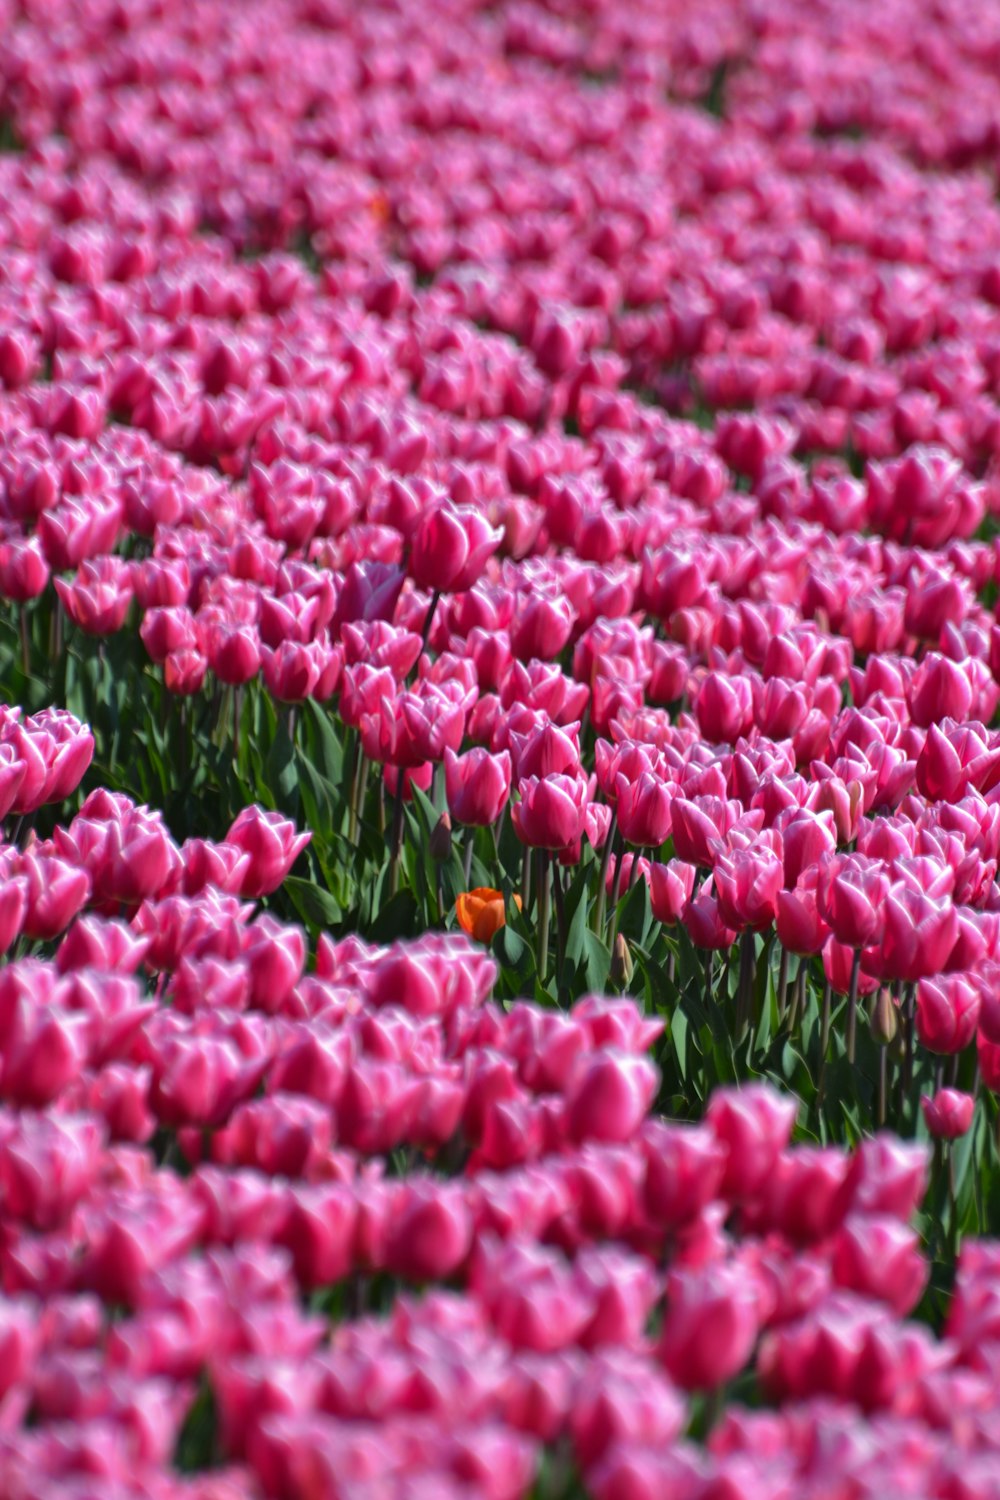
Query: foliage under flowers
[547,454]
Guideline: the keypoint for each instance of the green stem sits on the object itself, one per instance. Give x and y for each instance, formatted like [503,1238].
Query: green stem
[557,889]
[396,836]
[744,991]
[616,881]
[824,1039]
[25,640]
[852,1007]
[602,880]
[782,984]
[357,794]
[543,913]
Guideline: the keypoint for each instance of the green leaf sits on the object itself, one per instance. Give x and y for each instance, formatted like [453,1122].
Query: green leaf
[283,776]
[596,961]
[314,904]
[331,745]
[634,912]
[679,1037]
[396,919]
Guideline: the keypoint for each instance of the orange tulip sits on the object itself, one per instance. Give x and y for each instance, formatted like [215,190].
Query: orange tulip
[481,912]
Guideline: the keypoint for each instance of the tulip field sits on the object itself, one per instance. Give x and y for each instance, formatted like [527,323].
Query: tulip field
[499,750]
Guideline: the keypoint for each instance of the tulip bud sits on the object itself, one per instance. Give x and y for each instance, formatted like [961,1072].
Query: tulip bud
[439,842]
[884,1019]
[622,967]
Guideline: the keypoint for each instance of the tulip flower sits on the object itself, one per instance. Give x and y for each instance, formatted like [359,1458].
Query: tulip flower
[710,1327]
[481,912]
[477,785]
[918,934]
[550,812]
[948,1113]
[272,844]
[451,546]
[724,707]
[644,810]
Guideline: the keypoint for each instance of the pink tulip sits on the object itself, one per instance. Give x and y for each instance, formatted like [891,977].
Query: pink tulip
[550,811]
[710,1327]
[451,546]
[610,1096]
[948,1007]
[431,1234]
[948,1114]
[685,1166]
[56,891]
[747,885]
[724,707]
[918,934]
[880,1257]
[671,887]
[477,785]
[754,1124]
[644,810]
[272,844]
[851,892]
[541,627]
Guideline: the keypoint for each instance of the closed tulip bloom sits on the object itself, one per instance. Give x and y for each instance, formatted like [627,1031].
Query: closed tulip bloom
[13,772]
[610,1096]
[275,953]
[233,651]
[272,844]
[704,924]
[168,629]
[805,1196]
[880,1257]
[851,891]
[724,707]
[805,838]
[184,672]
[671,886]
[798,923]
[206,864]
[481,913]
[685,1166]
[548,750]
[755,1124]
[292,671]
[939,689]
[451,547]
[57,890]
[948,1113]
[477,785]
[13,906]
[889,1176]
[710,1327]
[644,810]
[431,1232]
[747,885]
[838,966]
[24,572]
[541,627]
[318,1232]
[948,1009]
[551,811]
[415,727]
[700,823]
[918,934]
[98,598]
